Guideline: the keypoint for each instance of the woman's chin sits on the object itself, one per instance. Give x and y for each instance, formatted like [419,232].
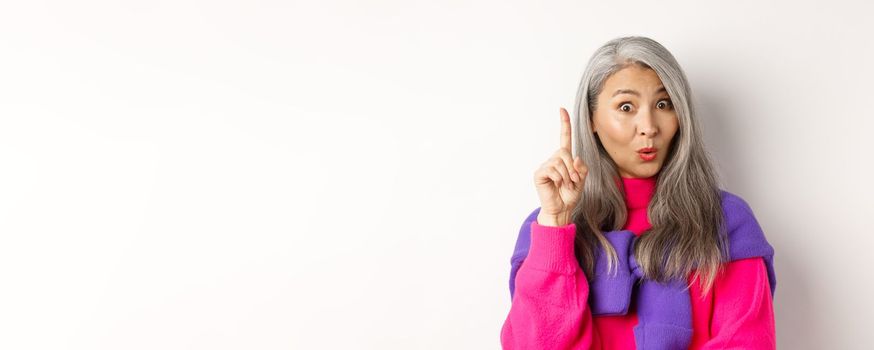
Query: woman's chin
[644,171]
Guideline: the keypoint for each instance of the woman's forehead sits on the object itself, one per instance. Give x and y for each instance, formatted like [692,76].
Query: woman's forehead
[633,79]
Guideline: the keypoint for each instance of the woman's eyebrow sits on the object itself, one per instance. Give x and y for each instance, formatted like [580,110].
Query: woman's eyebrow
[635,93]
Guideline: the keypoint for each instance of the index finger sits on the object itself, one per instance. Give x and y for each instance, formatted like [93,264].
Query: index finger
[565,129]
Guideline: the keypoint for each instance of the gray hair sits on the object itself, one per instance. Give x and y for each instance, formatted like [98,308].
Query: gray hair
[685,211]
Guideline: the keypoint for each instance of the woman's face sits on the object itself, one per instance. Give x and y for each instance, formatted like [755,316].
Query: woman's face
[633,112]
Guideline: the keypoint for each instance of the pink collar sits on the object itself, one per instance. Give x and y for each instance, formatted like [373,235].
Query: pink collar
[638,191]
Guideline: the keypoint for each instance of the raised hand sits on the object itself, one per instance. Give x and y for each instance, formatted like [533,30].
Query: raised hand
[559,180]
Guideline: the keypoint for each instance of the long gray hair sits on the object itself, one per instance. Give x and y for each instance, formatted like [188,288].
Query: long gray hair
[685,212]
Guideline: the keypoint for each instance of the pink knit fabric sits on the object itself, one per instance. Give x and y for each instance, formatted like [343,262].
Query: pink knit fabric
[550,309]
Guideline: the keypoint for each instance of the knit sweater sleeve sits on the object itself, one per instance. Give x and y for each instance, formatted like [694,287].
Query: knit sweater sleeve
[743,314]
[549,307]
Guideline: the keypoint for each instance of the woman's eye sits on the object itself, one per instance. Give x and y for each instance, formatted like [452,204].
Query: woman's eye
[622,107]
[664,104]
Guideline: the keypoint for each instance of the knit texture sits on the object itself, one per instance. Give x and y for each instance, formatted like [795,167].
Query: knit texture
[636,313]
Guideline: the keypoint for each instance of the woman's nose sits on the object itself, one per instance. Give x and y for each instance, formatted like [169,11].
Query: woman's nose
[647,126]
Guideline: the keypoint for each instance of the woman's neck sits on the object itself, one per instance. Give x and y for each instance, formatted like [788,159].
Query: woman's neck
[638,192]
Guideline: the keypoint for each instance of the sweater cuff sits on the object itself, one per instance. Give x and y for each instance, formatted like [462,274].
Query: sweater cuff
[552,248]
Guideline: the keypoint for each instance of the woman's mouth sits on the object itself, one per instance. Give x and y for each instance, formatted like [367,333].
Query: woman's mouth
[647,156]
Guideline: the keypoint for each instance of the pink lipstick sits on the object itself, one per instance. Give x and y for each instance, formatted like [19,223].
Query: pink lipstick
[647,153]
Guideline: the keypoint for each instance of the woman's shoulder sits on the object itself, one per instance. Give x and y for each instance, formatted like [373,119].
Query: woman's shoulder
[746,237]
[734,203]
[736,211]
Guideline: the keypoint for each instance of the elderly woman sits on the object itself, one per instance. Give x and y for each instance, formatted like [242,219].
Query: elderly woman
[634,245]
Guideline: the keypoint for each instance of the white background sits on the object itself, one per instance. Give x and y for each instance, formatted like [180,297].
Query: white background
[353,175]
